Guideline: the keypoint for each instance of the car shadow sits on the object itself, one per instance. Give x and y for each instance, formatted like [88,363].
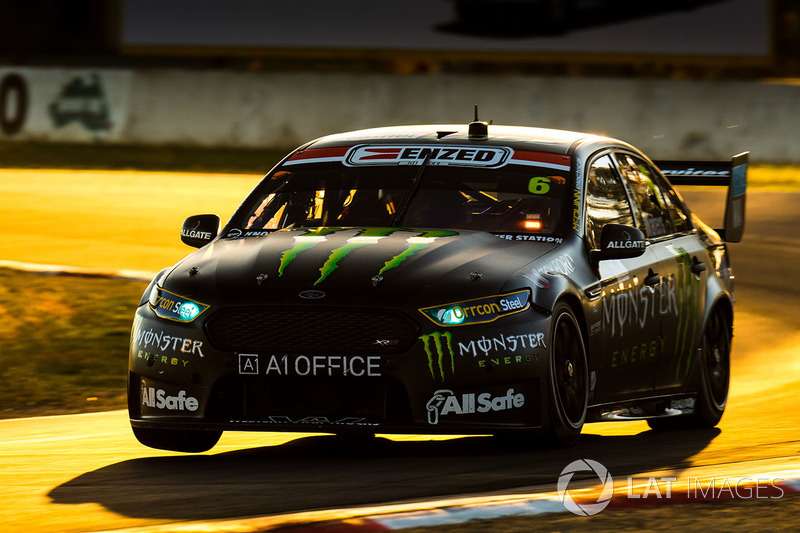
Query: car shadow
[329,472]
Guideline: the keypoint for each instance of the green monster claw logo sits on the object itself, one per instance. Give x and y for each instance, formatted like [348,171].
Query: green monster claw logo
[437,342]
[363,237]
[414,245]
[366,237]
[302,243]
[688,286]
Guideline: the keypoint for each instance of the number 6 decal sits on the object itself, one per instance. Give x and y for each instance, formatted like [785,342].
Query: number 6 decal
[539,185]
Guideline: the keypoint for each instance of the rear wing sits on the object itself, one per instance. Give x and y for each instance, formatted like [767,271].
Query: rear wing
[731,174]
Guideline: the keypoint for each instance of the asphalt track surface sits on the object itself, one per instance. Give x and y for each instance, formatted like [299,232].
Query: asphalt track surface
[87,472]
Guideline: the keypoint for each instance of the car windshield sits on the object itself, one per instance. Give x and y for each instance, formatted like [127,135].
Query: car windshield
[511,199]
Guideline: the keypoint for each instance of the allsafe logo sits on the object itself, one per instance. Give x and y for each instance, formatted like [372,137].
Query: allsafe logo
[585,508]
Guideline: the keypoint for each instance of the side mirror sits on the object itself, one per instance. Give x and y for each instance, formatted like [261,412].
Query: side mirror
[618,241]
[199,230]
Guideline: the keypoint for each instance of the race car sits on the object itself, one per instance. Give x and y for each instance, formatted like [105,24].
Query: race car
[444,279]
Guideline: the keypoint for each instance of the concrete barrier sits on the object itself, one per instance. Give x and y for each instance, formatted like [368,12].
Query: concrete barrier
[666,118]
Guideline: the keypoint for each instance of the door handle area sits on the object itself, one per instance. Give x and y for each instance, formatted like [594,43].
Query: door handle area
[652,278]
[698,266]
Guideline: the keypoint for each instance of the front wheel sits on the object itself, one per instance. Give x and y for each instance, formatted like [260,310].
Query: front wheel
[177,440]
[568,383]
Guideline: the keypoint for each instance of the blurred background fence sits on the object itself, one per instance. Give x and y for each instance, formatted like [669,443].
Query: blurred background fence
[693,79]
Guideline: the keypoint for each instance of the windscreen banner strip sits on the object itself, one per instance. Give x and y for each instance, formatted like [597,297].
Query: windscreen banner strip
[436,155]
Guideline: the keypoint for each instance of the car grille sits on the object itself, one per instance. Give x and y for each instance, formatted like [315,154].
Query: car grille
[300,330]
[309,401]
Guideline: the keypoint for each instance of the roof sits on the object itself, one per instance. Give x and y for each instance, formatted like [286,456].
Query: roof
[539,139]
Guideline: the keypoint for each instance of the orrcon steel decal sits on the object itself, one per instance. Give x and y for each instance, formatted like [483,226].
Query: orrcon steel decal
[419,240]
[478,310]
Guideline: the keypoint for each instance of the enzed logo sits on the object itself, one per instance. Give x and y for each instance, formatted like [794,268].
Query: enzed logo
[437,337]
[404,154]
[585,509]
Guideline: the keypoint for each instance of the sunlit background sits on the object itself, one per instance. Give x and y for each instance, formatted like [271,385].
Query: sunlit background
[120,118]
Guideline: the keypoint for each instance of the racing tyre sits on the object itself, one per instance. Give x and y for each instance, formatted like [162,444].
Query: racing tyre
[715,370]
[177,440]
[569,383]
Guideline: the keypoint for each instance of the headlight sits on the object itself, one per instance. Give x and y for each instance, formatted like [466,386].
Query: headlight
[148,294]
[175,307]
[478,310]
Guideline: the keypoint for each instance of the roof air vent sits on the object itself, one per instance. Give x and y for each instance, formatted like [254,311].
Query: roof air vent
[478,130]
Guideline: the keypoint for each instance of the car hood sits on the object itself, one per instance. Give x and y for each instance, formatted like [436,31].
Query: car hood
[344,266]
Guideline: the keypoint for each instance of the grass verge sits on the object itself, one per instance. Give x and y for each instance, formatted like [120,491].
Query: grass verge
[63,342]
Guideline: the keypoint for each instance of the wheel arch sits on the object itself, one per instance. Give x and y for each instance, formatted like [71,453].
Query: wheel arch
[574,302]
[725,304]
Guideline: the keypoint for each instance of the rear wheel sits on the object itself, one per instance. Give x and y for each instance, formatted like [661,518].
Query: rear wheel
[177,440]
[713,374]
[715,370]
[569,383]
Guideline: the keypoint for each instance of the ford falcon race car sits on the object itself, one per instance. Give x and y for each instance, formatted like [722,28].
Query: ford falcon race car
[451,279]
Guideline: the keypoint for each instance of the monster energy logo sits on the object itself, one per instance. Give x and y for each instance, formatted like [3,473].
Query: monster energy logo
[363,237]
[438,361]
[688,288]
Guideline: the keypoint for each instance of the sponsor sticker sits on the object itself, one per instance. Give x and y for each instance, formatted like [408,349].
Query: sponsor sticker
[445,402]
[248,363]
[312,365]
[157,398]
[406,154]
[478,310]
[152,339]
[312,420]
[175,307]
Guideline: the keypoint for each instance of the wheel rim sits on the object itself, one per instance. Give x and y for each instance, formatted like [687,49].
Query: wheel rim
[569,368]
[717,349]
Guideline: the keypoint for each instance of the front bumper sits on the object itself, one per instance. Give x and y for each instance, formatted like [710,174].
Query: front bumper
[473,379]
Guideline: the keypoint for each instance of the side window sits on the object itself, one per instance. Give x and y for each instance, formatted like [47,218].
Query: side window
[650,202]
[680,217]
[606,200]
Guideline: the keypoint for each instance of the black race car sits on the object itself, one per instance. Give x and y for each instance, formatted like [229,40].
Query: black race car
[444,279]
